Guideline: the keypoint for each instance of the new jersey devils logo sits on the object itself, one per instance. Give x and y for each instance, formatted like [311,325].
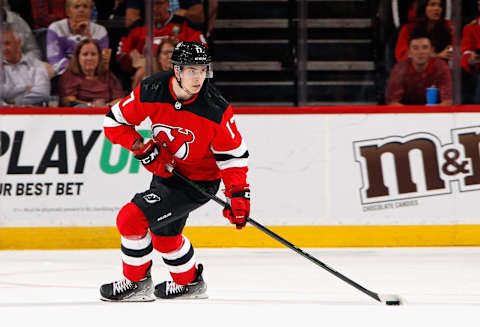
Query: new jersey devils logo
[176,139]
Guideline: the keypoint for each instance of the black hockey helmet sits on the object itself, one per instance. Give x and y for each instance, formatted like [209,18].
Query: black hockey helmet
[192,54]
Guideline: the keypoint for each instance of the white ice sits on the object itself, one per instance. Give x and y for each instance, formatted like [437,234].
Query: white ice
[250,287]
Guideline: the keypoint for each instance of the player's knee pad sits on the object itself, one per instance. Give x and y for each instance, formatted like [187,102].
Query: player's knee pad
[167,244]
[131,221]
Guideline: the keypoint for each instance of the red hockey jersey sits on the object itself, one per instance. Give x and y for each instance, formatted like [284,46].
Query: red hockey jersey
[201,132]
[177,27]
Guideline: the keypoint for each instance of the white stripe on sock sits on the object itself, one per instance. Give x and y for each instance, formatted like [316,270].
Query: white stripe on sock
[140,244]
[180,252]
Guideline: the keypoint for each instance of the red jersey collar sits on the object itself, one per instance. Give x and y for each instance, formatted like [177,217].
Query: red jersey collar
[170,86]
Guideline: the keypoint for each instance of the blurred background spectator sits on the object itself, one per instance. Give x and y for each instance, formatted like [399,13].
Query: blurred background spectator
[39,14]
[166,25]
[87,82]
[470,46]
[409,79]
[134,13]
[162,60]
[65,34]
[430,20]
[26,79]
[29,43]
[191,9]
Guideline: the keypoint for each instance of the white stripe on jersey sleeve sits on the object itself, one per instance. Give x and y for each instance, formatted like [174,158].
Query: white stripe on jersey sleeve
[238,152]
[232,163]
[109,122]
[117,113]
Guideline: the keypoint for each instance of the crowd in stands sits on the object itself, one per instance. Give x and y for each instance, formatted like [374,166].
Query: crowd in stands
[424,55]
[90,52]
[423,51]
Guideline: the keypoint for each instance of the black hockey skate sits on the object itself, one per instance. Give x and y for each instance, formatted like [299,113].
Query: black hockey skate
[194,290]
[125,290]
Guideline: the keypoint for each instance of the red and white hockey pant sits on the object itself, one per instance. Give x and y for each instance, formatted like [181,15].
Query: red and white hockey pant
[138,243]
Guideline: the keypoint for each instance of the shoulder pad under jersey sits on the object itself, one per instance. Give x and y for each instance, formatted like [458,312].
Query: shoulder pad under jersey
[215,102]
[152,87]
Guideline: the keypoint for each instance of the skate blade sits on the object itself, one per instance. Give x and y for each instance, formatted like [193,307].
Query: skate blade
[135,299]
[198,296]
[186,297]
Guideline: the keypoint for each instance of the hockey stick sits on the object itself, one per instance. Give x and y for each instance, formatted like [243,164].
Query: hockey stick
[388,299]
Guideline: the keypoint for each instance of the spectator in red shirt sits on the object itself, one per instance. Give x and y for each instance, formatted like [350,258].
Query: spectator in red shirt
[409,79]
[167,25]
[87,82]
[430,19]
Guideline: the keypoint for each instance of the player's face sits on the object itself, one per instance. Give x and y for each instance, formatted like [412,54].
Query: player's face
[88,58]
[193,78]
[420,50]
[434,10]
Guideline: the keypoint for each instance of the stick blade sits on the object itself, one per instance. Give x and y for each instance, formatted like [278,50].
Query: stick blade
[391,299]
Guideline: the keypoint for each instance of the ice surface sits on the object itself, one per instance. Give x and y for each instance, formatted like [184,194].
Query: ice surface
[250,287]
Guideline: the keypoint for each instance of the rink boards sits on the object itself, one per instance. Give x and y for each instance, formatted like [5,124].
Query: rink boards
[320,177]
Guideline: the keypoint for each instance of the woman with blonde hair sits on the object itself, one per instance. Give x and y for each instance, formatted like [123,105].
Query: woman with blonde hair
[87,82]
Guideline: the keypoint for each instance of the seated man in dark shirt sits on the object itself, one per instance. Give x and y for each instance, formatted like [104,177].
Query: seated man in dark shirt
[409,79]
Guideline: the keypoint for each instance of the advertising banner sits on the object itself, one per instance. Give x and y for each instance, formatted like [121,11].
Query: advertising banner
[305,170]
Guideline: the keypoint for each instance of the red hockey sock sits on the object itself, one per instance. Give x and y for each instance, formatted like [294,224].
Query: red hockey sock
[179,257]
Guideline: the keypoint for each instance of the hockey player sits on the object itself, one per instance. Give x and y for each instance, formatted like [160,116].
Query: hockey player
[193,129]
